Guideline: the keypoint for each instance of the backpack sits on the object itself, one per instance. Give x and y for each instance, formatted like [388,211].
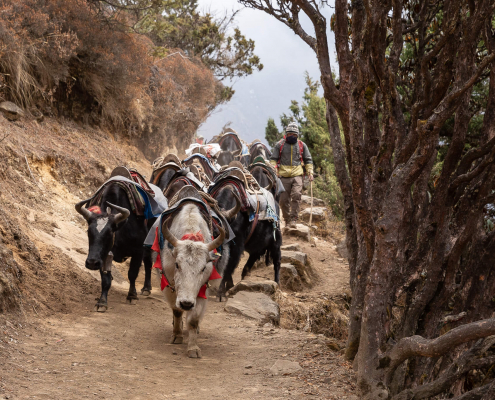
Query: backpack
[301,150]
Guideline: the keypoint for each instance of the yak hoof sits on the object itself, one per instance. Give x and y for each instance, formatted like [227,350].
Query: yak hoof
[100,307]
[176,339]
[194,353]
[222,297]
[145,292]
[132,302]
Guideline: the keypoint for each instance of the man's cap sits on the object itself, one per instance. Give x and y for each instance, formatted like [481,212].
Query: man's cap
[292,128]
[199,137]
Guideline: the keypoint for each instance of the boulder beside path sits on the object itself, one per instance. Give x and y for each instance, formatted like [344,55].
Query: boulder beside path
[319,214]
[11,111]
[306,201]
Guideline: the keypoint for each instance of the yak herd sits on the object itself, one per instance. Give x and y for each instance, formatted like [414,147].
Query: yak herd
[192,220]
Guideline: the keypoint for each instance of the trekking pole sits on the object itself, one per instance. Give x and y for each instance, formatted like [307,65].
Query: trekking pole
[311,212]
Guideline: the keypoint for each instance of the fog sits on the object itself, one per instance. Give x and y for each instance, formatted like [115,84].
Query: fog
[267,93]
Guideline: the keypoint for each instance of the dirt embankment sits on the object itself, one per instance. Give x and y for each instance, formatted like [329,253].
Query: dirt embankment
[46,168]
[53,346]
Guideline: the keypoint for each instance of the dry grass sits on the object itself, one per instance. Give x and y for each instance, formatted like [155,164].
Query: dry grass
[321,316]
[62,59]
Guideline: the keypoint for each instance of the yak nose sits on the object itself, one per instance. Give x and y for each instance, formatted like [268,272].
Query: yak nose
[93,264]
[186,305]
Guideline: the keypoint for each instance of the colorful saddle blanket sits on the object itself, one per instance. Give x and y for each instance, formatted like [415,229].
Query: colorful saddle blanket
[141,200]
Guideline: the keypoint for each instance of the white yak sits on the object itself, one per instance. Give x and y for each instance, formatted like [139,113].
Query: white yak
[187,266]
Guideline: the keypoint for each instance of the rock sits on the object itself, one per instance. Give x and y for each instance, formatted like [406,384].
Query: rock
[300,230]
[291,247]
[319,214]
[267,287]
[289,270]
[342,249]
[11,111]
[291,256]
[289,277]
[306,200]
[299,260]
[257,306]
[282,367]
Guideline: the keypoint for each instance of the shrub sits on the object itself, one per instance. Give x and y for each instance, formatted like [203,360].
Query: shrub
[68,58]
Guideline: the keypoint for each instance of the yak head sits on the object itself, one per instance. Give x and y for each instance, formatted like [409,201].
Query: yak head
[101,231]
[193,264]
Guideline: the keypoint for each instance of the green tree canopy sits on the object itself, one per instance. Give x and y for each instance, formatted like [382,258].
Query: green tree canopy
[272,135]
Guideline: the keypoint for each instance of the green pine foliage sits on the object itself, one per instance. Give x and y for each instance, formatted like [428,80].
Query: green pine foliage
[272,135]
[178,24]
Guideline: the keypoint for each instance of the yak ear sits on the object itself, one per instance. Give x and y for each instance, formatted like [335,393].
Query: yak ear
[214,256]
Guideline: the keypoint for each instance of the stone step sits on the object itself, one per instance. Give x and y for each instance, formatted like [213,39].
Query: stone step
[300,230]
[254,305]
[294,256]
[300,261]
[291,247]
[289,277]
[267,287]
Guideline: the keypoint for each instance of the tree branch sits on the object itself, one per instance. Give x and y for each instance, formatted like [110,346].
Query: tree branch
[418,346]
[456,371]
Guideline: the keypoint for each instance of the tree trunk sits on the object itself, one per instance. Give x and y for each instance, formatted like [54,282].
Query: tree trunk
[415,99]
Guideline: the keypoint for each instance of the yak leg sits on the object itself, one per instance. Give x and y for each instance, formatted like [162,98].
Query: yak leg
[267,257]
[106,282]
[276,255]
[250,262]
[146,290]
[227,281]
[132,274]
[193,319]
[177,337]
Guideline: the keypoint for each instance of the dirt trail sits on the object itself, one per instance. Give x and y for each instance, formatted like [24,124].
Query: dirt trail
[125,354]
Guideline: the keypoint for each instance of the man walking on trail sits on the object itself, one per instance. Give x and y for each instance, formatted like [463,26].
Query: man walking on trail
[290,157]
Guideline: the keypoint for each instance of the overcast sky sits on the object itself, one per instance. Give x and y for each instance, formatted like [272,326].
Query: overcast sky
[267,93]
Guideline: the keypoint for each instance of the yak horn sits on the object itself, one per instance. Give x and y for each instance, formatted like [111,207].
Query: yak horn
[122,215]
[233,211]
[83,210]
[218,241]
[169,237]
[269,187]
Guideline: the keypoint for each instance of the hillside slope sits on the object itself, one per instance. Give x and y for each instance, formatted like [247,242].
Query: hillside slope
[46,169]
